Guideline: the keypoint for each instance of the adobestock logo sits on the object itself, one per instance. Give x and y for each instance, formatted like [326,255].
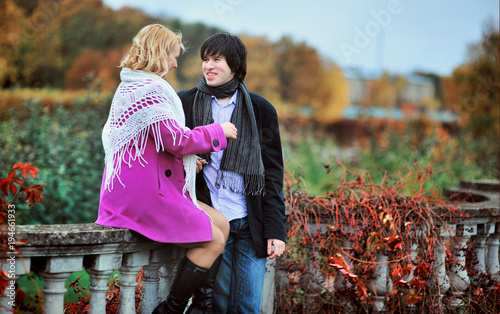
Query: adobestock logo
[224,6]
[363,37]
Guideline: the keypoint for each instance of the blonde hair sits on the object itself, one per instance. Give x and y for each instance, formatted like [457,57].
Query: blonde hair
[151,48]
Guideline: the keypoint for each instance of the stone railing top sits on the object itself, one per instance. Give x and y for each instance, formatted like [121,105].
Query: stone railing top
[76,234]
[481,185]
[477,198]
[82,239]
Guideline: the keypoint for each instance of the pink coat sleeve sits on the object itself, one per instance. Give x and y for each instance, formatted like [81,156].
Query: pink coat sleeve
[203,139]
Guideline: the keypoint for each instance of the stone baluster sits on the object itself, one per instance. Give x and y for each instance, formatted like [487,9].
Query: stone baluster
[150,280]
[269,291]
[55,271]
[478,276]
[441,283]
[100,267]
[458,275]
[168,271]
[382,282]
[340,283]
[15,266]
[131,265]
[492,262]
[413,257]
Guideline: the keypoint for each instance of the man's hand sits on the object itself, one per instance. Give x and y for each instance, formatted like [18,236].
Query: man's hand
[275,248]
[200,162]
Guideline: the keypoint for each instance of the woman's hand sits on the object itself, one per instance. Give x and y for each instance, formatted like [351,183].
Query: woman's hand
[230,130]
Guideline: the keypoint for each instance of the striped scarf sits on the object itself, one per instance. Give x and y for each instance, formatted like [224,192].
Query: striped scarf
[243,155]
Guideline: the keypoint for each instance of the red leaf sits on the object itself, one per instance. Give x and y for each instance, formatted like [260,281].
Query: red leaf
[418,284]
[396,273]
[33,193]
[27,168]
[401,283]
[421,270]
[496,292]
[412,297]
[407,270]
[9,183]
[4,281]
[394,242]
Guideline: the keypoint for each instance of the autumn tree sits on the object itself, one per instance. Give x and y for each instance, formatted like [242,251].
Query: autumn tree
[477,83]
[262,76]
[95,70]
[11,27]
[338,94]
[300,72]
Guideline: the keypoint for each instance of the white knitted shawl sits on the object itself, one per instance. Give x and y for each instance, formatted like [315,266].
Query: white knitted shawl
[142,102]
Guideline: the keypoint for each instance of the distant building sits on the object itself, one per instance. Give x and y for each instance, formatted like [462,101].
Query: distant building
[358,83]
[418,89]
[416,92]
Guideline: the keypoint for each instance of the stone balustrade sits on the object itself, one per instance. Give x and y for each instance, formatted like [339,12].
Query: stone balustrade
[478,231]
[56,251]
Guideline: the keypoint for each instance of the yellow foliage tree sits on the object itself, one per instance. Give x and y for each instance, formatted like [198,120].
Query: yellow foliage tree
[11,29]
[336,97]
[261,76]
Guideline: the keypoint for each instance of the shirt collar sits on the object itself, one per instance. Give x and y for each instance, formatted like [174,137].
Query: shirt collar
[232,100]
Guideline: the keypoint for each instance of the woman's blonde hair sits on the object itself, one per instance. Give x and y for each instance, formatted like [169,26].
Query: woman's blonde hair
[151,48]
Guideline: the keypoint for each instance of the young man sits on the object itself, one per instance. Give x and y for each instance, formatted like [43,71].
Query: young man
[244,182]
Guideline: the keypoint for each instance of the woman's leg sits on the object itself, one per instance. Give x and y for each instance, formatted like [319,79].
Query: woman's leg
[202,301]
[196,265]
[205,253]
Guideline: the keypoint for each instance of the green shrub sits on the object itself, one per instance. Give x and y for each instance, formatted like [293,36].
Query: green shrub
[65,143]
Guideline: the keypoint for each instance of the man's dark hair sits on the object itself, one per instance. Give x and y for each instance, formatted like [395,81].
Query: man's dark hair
[232,48]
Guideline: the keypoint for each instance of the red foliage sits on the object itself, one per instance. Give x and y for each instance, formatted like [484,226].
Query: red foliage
[13,187]
[112,296]
[343,234]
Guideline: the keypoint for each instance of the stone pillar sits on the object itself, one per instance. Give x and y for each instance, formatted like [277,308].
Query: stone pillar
[55,271]
[168,270]
[340,282]
[131,265]
[15,266]
[459,278]
[150,280]
[479,257]
[100,267]
[442,283]
[382,284]
[269,290]
[492,263]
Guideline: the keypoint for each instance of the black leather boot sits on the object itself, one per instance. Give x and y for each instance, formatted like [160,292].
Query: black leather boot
[187,279]
[203,296]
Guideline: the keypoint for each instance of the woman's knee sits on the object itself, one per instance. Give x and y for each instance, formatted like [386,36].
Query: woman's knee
[225,228]
[219,240]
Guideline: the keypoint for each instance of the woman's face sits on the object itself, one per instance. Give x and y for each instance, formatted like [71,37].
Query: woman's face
[172,58]
[216,70]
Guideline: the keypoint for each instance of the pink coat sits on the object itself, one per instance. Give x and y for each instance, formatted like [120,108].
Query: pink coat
[152,202]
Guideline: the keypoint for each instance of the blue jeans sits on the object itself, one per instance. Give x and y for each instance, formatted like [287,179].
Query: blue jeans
[239,283]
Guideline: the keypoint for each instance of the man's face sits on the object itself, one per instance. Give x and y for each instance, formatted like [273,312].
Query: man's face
[216,70]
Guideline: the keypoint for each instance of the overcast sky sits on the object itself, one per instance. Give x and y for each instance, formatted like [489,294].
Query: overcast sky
[400,36]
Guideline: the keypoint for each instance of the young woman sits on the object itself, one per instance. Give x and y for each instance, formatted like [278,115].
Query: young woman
[149,179]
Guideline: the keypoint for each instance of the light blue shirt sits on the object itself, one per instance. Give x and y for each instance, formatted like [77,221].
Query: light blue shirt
[232,205]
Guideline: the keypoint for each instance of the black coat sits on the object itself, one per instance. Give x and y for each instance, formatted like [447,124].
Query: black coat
[266,214]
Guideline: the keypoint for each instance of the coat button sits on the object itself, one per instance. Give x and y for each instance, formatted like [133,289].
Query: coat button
[216,143]
[168,172]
